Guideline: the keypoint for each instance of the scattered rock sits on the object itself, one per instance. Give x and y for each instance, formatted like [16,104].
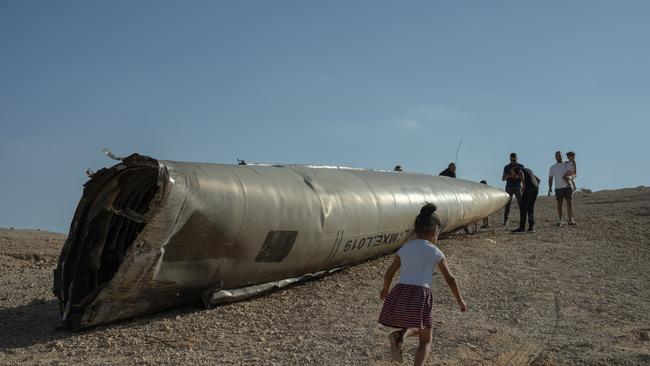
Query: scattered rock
[523,303]
[39,301]
[56,345]
[544,359]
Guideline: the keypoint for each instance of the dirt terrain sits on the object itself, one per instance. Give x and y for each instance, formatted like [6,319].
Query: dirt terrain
[562,296]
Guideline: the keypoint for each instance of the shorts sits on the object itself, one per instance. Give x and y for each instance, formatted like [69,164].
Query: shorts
[563,193]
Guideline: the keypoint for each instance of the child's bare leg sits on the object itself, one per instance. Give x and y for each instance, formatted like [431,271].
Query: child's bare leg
[424,347]
[396,340]
[399,336]
[410,332]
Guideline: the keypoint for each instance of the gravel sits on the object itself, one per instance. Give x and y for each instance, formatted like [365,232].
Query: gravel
[562,296]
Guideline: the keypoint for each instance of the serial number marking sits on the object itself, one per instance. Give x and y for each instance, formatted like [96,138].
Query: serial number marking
[375,240]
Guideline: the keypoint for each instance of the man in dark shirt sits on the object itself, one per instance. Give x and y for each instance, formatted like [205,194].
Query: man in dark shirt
[527,204]
[450,171]
[514,177]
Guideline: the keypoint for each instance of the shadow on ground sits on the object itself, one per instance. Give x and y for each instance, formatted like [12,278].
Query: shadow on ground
[30,324]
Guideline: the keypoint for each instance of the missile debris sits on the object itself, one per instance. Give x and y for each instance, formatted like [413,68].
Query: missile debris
[150,234]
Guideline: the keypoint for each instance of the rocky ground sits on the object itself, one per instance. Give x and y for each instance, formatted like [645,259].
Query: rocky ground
[562,296]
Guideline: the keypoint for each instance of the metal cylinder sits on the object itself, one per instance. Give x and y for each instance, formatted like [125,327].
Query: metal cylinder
[149,235]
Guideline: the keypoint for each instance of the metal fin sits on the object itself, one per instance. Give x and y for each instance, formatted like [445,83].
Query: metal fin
[108,153]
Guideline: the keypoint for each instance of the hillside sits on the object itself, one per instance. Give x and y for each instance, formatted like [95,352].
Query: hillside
[561,296]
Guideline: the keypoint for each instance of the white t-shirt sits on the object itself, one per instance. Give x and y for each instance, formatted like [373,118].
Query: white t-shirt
[570,167]
[419,259]
[557,173]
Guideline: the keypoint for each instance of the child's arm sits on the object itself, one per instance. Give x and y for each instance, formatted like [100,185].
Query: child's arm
[388,277]
[451,282]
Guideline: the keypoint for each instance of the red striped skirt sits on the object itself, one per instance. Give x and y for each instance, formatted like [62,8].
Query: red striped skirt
[407,306]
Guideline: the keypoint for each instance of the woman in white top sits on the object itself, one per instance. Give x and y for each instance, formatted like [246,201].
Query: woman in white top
[407,306]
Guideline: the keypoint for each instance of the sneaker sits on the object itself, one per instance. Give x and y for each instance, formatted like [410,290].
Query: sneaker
[395,347]
[572,222]
[531,230]
[561,223]
[520,230]
[505,222]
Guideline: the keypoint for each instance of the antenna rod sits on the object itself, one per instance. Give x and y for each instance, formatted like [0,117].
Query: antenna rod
[457,150]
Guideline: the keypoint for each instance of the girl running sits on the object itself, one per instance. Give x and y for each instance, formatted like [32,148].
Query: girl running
[407,306]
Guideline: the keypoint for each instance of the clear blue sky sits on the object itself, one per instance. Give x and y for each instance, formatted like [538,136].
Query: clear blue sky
[357,83]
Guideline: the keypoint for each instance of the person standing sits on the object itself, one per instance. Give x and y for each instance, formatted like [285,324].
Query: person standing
[450,171]
[513,177]
[407,306]
[563,191]
[486,221]
[528,198]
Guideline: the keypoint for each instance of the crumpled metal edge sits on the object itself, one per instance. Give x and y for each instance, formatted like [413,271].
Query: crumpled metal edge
[216,296]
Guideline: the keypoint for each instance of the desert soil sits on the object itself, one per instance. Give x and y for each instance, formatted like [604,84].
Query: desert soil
[562,296]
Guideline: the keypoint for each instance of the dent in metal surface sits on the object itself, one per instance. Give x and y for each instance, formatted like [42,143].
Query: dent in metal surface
[150,235]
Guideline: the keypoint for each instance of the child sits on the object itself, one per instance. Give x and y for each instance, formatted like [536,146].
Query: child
[572,170]
[407,306]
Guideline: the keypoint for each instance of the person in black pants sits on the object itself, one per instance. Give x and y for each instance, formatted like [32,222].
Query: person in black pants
[486,222]
[527,203]
[513,177]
